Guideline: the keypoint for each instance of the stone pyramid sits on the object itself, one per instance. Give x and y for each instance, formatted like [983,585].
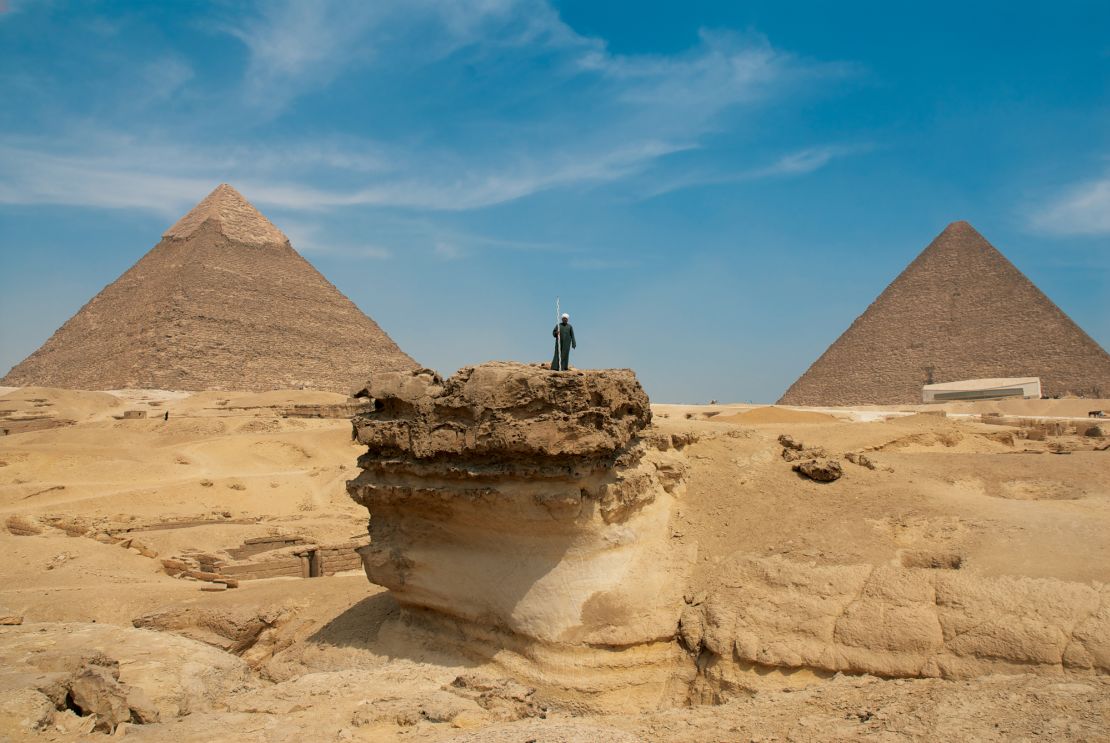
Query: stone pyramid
[222,302]
[960,310]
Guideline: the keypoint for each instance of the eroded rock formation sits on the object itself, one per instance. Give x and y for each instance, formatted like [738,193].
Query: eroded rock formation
[771,613]
[528,513]
[528,518]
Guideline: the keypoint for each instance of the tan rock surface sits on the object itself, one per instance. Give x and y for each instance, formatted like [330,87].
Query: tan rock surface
[889,569]
[523,507]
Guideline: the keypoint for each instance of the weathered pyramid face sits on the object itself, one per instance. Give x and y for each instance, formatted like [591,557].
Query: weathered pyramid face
[222,302]
[960,310]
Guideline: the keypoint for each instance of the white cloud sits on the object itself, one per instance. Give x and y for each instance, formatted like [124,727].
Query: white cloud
[1083,209]
[307,237]
[799,162]
[447,251]
[120,176]
[605,116]
[164,77]
[296,46]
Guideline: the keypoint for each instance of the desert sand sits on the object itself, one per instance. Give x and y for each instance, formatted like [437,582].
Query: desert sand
[950,585]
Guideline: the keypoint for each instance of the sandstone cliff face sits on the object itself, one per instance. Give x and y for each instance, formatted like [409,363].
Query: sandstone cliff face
[531,510]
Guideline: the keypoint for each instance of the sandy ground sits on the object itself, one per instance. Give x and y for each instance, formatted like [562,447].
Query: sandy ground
[322,666]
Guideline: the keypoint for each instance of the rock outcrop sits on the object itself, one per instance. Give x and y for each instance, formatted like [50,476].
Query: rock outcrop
[96,676]
[770,613]
[527,515]
[528,518]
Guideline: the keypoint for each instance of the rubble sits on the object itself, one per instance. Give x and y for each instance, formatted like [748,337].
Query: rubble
[820,470]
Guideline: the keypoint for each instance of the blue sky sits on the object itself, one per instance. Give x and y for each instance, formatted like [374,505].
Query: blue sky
[715,190]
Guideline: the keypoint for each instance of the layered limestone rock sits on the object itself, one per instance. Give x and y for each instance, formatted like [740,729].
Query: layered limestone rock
[771,613]
[526,514]
[526,517]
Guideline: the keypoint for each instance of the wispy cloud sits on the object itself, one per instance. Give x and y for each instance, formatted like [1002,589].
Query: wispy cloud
[164,78]
[296,47]
[120,176]
[447,251]
[600,264]
[799,162]
[307,237]
[1083,209]
[602,117]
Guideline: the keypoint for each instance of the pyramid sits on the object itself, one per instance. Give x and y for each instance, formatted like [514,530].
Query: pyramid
[960,310]
[222,302]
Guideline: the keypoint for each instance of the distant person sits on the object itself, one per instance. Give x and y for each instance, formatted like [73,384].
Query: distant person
[166,417]
[564,341]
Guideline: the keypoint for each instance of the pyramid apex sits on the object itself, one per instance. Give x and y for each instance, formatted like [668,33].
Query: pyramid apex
[960,225]
[960,236]
[234,216]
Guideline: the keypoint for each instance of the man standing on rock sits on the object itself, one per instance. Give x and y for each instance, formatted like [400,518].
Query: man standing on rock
[564,341]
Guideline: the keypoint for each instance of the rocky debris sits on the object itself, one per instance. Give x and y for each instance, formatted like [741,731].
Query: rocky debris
[788,442]
[512,506]
[231,630]
[234,630]
[133,544]
[95,689]
[794,450]
[819,470]
[192,567]
[1094,432]
[9,618]
[26,710]
[23,526]
[148,676]
[59,560]
[548,731]
[504,698]
[861,459]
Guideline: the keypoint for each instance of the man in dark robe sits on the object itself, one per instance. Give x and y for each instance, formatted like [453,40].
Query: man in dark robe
[564,341]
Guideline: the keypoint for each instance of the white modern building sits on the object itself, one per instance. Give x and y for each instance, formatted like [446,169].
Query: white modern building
[982,389]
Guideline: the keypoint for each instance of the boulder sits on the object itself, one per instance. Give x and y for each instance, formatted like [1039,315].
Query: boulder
[141,676]
[819,470]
